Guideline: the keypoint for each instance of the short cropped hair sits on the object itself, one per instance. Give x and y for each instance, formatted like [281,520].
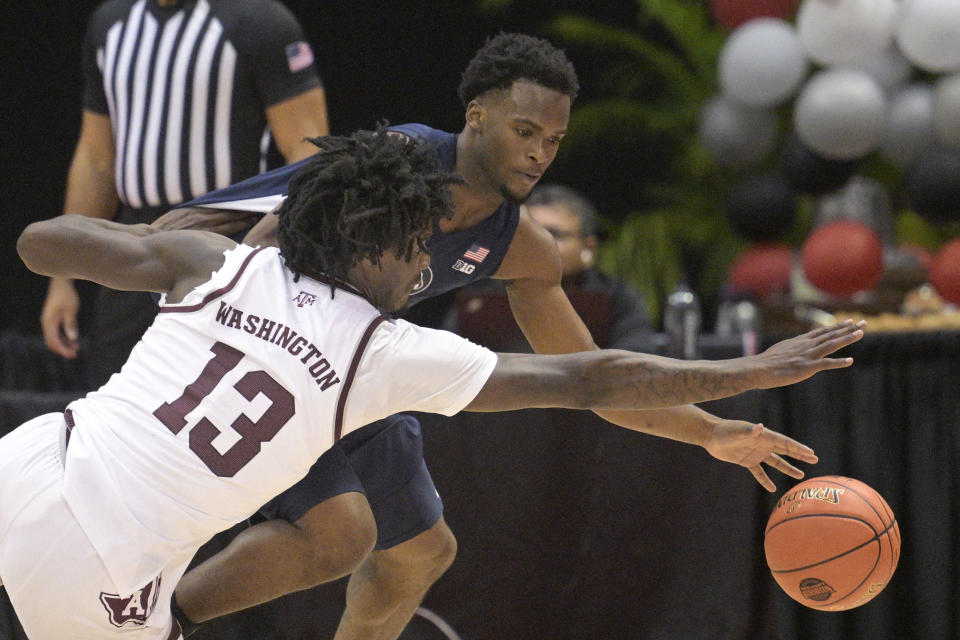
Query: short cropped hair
[509,57]
[572,200]
[359,197]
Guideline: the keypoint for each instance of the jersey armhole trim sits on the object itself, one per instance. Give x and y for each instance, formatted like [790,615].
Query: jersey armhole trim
[351,374]
[219,292]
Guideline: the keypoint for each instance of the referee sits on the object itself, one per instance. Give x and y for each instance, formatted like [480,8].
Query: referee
[181,97]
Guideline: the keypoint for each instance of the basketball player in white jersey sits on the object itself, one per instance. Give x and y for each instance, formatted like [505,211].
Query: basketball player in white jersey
[260,359]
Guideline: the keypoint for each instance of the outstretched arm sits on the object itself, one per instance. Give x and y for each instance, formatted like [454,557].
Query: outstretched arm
[127,257]
[629,381]
[624,380]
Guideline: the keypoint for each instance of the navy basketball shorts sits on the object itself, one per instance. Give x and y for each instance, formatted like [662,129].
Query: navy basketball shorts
[384,461]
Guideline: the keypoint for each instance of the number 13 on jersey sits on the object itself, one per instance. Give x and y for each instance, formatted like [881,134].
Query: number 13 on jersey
[252,434]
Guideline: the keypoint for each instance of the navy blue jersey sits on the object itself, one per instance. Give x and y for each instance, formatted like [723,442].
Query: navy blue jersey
[456,259]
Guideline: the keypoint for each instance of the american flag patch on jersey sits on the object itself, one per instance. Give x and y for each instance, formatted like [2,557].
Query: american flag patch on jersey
[299,56]
[476,253]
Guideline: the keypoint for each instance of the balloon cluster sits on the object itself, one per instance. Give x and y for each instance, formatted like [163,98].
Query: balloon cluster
[857,77]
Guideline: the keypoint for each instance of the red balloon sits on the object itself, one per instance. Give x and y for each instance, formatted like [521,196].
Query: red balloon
[733,13]
[762,270]
[842,258]
[945,272]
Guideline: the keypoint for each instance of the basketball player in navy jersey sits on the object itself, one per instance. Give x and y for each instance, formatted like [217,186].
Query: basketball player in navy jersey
[373,490]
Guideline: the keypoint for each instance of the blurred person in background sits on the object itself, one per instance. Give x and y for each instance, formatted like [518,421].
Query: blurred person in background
[572,220]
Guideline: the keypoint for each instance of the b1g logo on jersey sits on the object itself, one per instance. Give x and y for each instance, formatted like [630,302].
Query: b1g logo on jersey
[132,610]
[464,267]
[304,298]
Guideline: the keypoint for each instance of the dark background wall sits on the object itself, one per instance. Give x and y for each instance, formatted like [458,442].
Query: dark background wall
[400,61]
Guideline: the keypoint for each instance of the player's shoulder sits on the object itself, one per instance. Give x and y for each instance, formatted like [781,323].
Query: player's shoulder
[442,142]
[395,338]
[532,236]
[532,253]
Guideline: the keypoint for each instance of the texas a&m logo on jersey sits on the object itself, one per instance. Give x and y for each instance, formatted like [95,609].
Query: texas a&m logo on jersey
[304,298]
[133,610]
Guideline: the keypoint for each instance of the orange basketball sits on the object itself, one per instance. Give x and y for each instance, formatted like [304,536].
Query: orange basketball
[832,543]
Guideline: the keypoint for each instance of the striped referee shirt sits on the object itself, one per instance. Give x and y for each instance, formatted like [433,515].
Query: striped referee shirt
[186,89]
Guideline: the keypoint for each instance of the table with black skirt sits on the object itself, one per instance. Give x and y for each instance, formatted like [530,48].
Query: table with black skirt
[571,528]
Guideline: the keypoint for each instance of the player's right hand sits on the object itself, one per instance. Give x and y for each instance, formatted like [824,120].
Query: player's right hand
[58,320]
[796,359]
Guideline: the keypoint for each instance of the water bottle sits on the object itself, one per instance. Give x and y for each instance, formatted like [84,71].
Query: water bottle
[740,320]
[681,321]
[747,320]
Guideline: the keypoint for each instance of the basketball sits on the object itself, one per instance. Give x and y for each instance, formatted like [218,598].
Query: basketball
[832,543]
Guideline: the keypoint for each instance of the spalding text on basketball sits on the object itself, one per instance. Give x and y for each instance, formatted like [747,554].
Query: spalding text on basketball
[826,494]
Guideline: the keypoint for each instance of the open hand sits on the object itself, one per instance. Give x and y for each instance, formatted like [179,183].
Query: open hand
[752,445]
[800,357]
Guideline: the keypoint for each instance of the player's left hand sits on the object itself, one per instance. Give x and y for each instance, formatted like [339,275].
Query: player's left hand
[752,446]
[225,223]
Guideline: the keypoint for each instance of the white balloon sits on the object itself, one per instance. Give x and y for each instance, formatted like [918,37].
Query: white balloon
[736,136]
[761,63]
[909,127]
[840,113]
[844,32]
[889,68]
[929,33]
[946,110]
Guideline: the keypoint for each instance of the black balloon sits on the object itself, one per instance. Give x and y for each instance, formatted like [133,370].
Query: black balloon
[932,184]
[761,208]
[809,172]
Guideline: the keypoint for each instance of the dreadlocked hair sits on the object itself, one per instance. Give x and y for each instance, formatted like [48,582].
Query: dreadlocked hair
[509,57]
[359,197]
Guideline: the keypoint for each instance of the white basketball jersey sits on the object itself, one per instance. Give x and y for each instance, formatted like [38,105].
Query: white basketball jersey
[232,395]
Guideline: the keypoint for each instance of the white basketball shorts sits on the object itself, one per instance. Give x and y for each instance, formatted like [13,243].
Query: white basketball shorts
[56,581]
